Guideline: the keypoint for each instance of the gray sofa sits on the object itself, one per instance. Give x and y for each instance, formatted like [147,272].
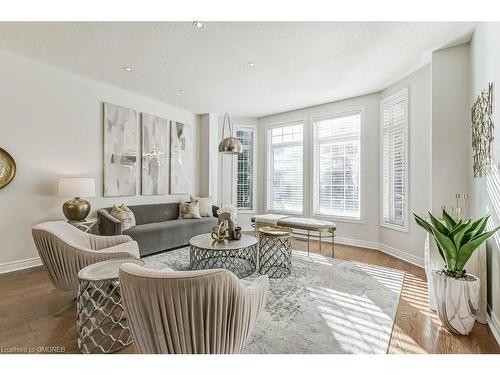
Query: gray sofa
[157,227]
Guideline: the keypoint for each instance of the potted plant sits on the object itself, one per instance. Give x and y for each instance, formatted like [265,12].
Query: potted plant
[456,292]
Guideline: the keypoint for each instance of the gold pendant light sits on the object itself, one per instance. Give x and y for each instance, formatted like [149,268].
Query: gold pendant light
[229,145]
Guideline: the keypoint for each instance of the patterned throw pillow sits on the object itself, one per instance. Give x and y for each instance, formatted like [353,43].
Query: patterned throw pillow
[125,215]
[205,205]
[189,210]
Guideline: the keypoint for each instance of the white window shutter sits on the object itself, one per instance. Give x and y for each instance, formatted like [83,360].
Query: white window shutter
[336,160]
[245,169]
[285,168]
[394,160]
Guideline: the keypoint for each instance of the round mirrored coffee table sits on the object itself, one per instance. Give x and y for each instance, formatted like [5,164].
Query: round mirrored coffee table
[239,257]
[101,323]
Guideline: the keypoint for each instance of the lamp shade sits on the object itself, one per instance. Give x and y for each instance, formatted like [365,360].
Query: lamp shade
[76,187]
[230,146]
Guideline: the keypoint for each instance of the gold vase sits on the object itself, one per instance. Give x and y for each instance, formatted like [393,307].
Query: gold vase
[76,209]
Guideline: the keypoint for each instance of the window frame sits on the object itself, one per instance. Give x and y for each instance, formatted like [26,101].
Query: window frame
[402,94]
[335,114]
[234,195]
[268,128]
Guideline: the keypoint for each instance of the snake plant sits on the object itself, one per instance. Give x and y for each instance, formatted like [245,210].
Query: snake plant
[456,241]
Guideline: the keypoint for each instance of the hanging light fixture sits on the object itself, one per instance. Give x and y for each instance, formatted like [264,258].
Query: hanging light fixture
[229,145]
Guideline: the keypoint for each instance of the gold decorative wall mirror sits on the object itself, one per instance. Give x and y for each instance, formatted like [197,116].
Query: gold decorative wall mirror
[7,168]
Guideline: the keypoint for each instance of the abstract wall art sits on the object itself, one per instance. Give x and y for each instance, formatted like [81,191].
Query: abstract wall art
[155,155]
[482,131]
[181,158]
[120,151]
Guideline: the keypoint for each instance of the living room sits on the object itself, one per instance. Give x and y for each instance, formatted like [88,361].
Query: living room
[206,186]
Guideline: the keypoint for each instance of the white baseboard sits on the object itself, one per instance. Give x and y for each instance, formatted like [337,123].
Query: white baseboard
[20,265]
[396,253]
[376,246]
[494,324]
[358,243]
[401,255]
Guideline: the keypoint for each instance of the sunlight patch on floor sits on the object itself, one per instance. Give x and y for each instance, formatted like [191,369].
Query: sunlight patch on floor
[355,320]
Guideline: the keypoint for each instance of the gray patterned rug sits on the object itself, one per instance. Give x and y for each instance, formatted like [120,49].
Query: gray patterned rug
[325,306]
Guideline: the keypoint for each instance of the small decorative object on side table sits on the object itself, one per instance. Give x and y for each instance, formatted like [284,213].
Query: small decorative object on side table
[87,226]
[101,323]
[239,257]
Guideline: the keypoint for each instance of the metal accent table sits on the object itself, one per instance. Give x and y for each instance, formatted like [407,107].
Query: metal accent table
[239,257]
[101,322]
[87,226]
[275,252]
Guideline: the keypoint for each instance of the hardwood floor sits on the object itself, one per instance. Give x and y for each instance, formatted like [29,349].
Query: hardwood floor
[28,302]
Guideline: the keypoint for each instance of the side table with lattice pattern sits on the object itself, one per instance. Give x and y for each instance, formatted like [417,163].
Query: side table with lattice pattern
[275,251]
[101,323]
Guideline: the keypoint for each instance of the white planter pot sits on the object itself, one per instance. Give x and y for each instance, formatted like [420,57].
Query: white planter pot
[457,301]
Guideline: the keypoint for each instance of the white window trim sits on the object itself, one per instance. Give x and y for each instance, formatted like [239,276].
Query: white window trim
[406,228]
[351,111]
[254,170]
[267,161]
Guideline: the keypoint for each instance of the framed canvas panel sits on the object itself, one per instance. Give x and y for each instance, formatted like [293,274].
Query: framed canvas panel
[181,158]
[120,151]
[155,155]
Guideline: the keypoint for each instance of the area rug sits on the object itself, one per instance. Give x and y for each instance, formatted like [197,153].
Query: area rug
[325,306]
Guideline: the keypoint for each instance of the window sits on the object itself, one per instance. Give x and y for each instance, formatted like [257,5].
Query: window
[336,166]
[394,118]
[284,172]
[245,169]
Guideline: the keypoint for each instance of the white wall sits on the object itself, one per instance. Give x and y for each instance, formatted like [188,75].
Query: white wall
[419,135]
[209,155]
[51,122]
[368,232]
[364,233]
[451,135]
[485,197]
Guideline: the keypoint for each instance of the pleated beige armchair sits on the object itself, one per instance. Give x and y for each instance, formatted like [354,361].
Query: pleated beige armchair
[65,250]
[190,312]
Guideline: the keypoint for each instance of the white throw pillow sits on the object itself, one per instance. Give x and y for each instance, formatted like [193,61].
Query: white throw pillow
[125,215]
[189,210]
[205,205]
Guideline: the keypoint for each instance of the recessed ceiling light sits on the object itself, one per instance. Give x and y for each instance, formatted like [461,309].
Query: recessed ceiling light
[198,25]
[182,92]
[250,64]
[127,68]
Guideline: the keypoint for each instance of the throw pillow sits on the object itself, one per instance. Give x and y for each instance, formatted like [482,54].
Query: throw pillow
[125,215]
[205,205]
[189,210]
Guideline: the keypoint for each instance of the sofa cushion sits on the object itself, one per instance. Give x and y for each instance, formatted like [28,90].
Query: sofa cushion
[205,204]
[155,237]
[124,215]
[189,210]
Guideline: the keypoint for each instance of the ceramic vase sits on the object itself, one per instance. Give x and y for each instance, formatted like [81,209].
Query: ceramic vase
[457,301]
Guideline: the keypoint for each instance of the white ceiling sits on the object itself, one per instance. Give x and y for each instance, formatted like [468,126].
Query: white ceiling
[297,64]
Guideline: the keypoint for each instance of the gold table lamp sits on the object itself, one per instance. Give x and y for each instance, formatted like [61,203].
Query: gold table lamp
[76,209]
